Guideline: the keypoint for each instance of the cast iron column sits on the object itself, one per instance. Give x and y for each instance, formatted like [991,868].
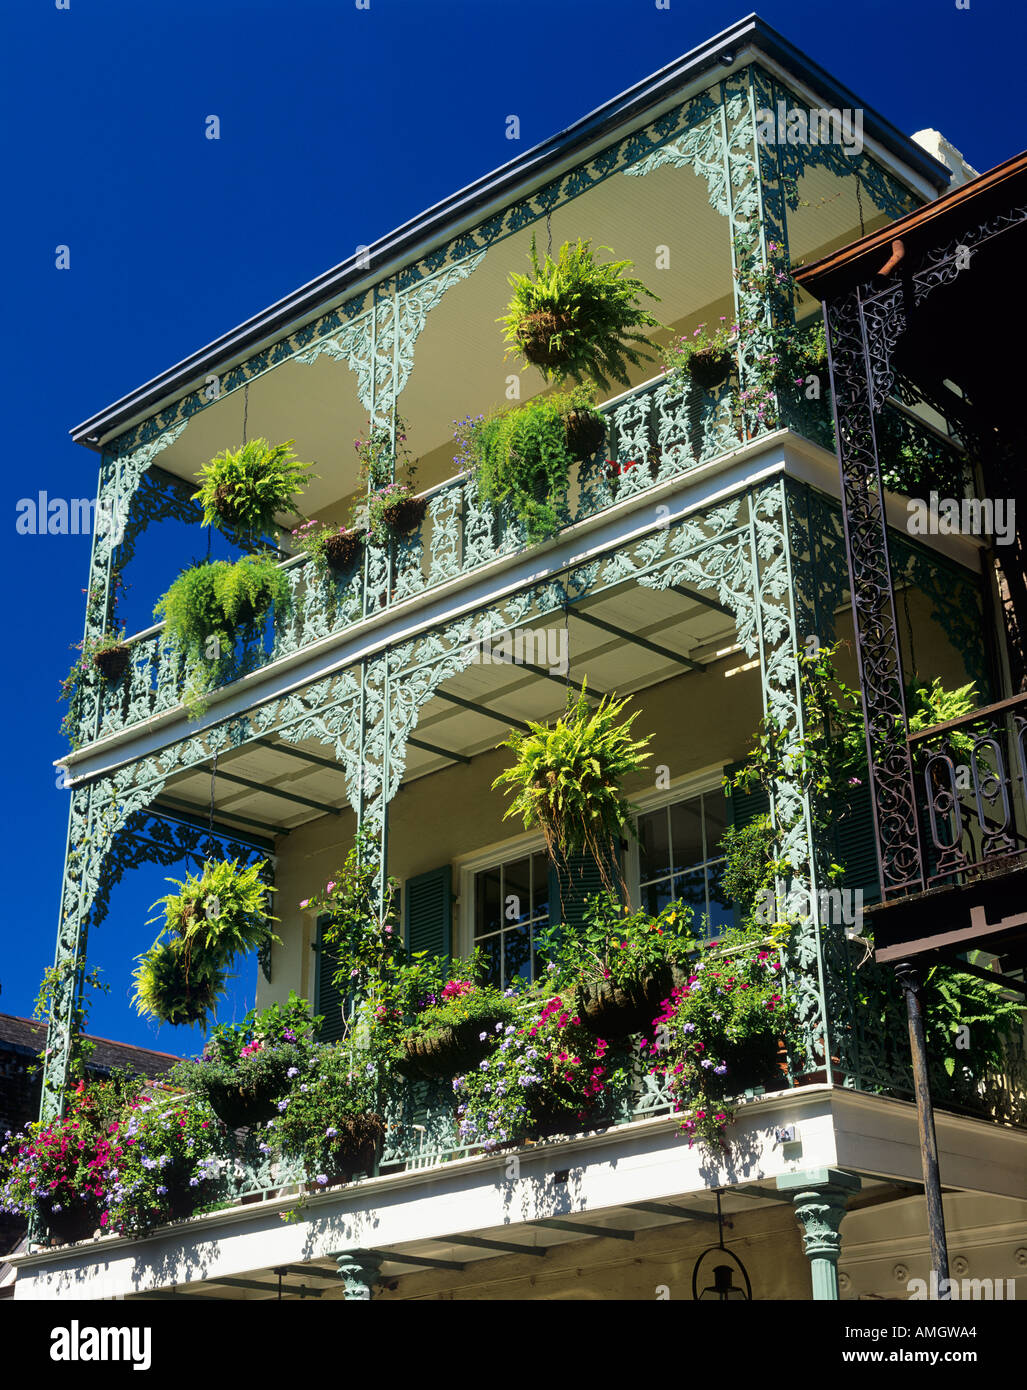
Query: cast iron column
[909,979]
[820,1197]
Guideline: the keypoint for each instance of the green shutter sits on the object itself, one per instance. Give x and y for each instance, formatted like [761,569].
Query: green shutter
[743,808]
[428,912]
[572,884]
[328,998]
[854,846]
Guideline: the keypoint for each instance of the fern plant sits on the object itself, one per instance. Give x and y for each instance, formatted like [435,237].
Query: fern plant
[576,317]
[206,606]
[215,917]
[524,456]
[242,490]
[566,778]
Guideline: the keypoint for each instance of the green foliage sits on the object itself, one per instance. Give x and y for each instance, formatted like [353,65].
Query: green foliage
[697,351]
[547,1071]
[463,1001]
[329,1115]
[67,975]
[719,1032]
[214,918]
[393,509]
[566,778]
[933,704]
[243,489]
[913,461]
[380,460]
[206,606]
[613,943]
[577,317]
[752,863]
[363,929]
[955,1001]
[247,1067]
[523,456]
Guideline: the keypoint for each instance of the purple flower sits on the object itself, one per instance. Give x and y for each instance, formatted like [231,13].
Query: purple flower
[293,1071]
[322,1179]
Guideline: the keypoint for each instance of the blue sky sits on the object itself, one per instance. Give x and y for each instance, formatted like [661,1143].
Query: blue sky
[337,124]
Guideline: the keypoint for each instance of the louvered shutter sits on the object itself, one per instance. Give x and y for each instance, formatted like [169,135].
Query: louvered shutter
[854,846]
[328,998]
[572,884]
[743,808]
[428,912]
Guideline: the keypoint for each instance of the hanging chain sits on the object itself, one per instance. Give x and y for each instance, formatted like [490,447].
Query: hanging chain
[245,410]
[213,780]
[859,204]
[549,232]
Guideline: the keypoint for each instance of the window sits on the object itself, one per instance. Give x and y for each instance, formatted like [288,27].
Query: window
[511,905]
[679,856]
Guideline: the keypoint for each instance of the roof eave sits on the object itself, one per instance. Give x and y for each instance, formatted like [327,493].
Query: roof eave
[748,33]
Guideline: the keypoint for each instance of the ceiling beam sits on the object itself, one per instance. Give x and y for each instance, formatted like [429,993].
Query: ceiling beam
[314,758]
[263,1288]
[508,1246]
[635,640]
[442,752]
[680,1213]
[992,977]
[162,810]
[277,791]
[192,818]
[701,598]
[481,709]
[430,1261]
[557,1223]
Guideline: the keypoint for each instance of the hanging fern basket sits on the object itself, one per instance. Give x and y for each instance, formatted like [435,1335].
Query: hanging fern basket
[357,1150]
[538,335]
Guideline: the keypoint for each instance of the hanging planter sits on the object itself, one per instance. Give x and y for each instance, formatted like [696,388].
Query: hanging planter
[705,357]
[75,1221]
[111,661]
[394,510]
[242,490]
[574,317]
[456,1029]
[343,548]
[566,778]
[612,1010]
[522,458]
[449,1049]
[214,918]
[709,368]
[355,1151]
[585,432]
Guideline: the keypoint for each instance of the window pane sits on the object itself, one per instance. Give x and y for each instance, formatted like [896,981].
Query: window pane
[722,913]
[656,896]
[686,833]
[516,891]
[492,955]
[486,905]
[653,848]
[516,954]
[691,889]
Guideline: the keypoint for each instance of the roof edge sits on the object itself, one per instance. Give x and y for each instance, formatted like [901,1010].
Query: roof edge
[720,50]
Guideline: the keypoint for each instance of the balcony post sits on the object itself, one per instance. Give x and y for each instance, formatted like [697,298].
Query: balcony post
[820,1197]
[358,1270]
[909,979]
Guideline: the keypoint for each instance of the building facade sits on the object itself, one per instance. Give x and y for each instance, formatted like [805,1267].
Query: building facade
[699,552]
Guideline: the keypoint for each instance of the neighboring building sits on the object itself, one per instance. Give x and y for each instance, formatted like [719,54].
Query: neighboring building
[22,1040]
[690,583]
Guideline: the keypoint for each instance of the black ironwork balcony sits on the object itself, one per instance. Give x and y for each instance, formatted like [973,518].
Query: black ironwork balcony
[971,780]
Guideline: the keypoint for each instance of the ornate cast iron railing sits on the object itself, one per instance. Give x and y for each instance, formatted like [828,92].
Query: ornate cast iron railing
[656,432]
[971,779]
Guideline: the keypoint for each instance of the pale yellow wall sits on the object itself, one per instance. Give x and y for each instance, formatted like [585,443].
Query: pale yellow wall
[699,720]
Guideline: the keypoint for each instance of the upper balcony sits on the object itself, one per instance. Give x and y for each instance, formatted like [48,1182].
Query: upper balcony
[679,183]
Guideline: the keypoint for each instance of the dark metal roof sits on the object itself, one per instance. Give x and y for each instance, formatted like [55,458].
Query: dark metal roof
[931,224]
[717,52]
[27,1036]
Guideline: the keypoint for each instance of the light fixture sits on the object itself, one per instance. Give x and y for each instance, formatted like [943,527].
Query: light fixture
[723,1288]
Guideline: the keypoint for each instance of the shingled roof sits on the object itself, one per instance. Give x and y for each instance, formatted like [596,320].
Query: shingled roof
[28,1038]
